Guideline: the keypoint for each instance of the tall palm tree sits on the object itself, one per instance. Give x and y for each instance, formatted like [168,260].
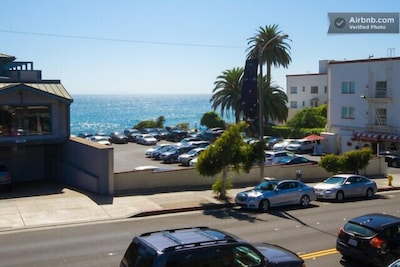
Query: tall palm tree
[227,93]
[275,51]
[272,43]
[275,100]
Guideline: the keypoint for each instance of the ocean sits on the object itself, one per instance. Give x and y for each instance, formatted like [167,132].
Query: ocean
[108,113]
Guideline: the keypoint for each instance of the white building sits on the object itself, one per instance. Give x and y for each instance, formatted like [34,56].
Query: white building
[363,98]
[307,90]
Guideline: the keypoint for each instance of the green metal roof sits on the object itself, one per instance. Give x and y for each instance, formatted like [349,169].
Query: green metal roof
[55,89]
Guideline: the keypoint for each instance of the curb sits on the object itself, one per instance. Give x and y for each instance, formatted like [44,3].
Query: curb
[216,206]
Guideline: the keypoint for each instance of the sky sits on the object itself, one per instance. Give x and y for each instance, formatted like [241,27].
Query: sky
[175,46]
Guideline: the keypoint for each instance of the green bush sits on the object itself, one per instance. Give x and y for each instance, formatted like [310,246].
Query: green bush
[351,161]
[331,163]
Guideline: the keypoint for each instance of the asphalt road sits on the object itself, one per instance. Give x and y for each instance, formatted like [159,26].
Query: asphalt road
[310,232]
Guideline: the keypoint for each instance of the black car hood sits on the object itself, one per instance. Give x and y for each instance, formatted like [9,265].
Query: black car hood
[277,255]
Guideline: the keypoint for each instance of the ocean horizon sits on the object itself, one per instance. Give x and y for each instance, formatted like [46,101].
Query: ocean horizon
[108,113]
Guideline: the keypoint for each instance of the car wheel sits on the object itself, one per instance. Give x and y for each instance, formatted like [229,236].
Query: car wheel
[340,196]
[370,193]
[305,201]
[264,205]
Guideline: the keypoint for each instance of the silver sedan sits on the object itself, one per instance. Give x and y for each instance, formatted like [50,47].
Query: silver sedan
[273,193]
[343,186]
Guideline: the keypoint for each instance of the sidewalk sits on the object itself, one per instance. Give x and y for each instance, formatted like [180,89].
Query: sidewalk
[46,203]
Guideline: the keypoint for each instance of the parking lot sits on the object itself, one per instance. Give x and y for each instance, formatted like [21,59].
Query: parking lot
[129,156]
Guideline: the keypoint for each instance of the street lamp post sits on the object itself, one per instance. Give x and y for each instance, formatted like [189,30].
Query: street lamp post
[261,99]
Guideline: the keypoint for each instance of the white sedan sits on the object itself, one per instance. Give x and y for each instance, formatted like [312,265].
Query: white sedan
[146,139]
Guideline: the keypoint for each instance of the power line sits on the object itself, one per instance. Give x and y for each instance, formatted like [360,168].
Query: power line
[119,40]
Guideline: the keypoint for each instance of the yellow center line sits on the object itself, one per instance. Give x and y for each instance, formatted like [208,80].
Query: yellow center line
[318,254]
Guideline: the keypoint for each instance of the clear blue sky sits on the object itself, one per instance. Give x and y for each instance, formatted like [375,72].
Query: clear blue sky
[174,46]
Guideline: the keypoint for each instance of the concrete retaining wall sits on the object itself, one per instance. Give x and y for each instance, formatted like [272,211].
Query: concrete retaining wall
[83,164]
[189,178]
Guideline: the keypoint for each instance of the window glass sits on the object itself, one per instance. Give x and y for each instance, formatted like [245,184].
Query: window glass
[25,120]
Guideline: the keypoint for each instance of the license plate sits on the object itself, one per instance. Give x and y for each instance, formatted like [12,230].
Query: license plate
[352,242]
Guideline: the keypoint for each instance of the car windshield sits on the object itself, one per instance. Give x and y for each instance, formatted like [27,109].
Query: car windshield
[266,185]
[335,180]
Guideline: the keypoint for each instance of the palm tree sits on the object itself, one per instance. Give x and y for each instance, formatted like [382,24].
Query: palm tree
[269,46]
[275,51]
[275,100]
[227,93]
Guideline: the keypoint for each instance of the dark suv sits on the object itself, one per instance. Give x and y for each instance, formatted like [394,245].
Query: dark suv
[371,238]
[202,246]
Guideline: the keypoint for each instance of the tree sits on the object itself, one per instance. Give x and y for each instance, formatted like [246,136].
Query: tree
[212,120]
[331,163]
[352,161]
[356,160]
[228,151]
[159,123]
[275,50]
[308,118]
[227,93]
[275,101]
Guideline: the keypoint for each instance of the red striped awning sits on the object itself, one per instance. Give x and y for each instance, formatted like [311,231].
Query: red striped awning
[390,138]
[367,136]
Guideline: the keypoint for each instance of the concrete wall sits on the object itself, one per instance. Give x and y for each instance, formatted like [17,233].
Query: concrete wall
[190,178]
[84,164]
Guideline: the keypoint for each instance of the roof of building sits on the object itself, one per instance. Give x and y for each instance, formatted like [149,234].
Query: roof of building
[54,88]
[363,60]
[6,56]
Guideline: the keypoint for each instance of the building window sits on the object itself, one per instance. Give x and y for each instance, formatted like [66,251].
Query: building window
[380,89]
[293,90]
[304,104]
[380,116]
[347,112]
[304,88]
[293,104]
[326,89]
[348,87]
[25,120]
[314,89]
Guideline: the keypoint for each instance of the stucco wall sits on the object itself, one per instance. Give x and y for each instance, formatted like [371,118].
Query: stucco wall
[83,164]
[189,178]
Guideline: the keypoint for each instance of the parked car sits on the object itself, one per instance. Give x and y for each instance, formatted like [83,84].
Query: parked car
[371,238]
[163,133]
[85,135]
[291,160]
[5,178]
[392,159]
[131,134]
[396,263]
[193,161]
[272,141]
[280,146]
[146,139]
[185,158]
[156,153]
[171,156]
[212,134]
[176,135]
[343,186]
[273,193]
[149,152]
[203,246]
[104,140]
[274,157]
[301,146]
[153,131]
[118,138]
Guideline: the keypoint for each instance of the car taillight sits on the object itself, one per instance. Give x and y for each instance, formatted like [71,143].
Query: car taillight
[340,232]
[377,242]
